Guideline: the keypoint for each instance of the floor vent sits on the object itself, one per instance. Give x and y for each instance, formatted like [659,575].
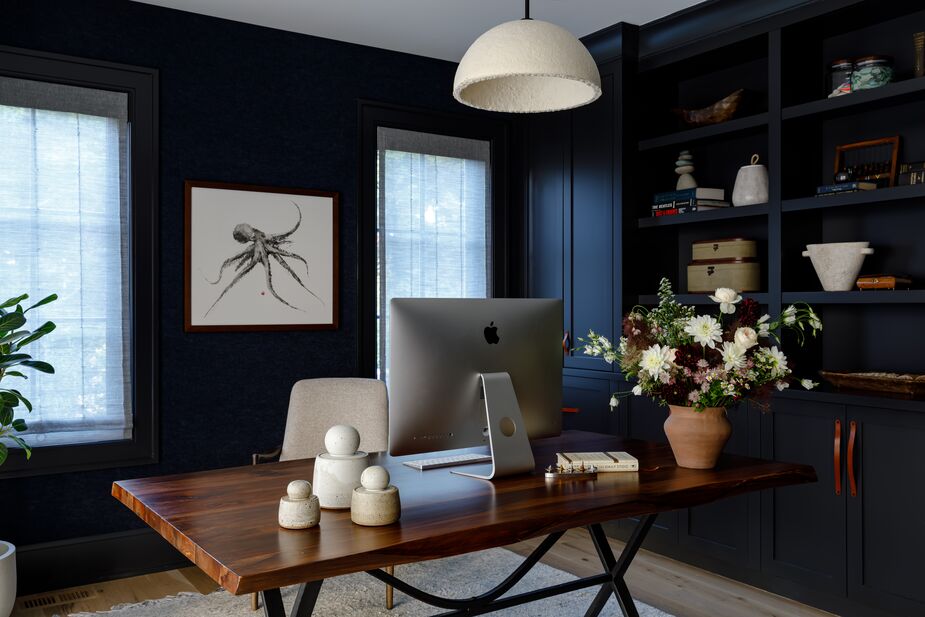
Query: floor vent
[55,599]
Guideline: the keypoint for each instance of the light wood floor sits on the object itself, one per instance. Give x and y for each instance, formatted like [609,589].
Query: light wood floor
[672,586]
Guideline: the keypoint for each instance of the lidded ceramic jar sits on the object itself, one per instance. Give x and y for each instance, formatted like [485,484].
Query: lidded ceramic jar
[751,185]
[337,471]
[376,502]
[299,509]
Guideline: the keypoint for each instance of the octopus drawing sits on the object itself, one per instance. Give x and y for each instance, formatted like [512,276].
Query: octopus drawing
[262,249]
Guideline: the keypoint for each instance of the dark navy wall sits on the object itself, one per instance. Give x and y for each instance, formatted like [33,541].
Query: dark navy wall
[238,103]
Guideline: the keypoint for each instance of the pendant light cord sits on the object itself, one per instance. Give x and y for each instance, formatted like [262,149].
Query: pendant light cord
[526,9]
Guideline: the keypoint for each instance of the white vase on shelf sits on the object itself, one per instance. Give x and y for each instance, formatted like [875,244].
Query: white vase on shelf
[751,185]
[838,264]
[7,578]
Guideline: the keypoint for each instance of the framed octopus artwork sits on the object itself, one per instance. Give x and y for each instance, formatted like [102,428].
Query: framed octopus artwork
[260,258]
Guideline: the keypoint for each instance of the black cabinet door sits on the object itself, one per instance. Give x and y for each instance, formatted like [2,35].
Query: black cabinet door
[591,398]
[803,527]
[886,513]
[720,530]
[589,274]
[645,420]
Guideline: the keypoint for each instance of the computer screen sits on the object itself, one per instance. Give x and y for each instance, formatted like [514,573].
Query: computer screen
[439,348]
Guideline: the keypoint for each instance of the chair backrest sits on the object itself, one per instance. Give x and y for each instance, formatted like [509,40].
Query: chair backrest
[316,405]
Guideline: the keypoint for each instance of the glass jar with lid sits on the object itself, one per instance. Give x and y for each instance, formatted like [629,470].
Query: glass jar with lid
[840,77]
[871,72]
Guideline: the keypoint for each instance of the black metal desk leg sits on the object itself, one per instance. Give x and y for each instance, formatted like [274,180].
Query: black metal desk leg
[304,601]
[617,567]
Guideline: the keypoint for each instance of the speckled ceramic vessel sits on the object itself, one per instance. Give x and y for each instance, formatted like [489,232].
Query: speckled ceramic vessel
[838,264]
[697,437]
[7,578]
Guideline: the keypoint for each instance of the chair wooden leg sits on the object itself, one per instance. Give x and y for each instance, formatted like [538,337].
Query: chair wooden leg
[389,591]
[255,604]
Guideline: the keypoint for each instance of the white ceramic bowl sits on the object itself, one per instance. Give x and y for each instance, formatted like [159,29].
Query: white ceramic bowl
[838,264]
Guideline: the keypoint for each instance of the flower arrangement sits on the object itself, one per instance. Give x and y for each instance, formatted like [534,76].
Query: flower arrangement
[678,357]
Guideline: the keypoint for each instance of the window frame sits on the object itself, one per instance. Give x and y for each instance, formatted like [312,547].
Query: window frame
[483,126]
[141,85]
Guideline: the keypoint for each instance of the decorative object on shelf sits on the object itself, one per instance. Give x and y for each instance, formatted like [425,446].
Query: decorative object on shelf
[844,187]
[299,509]
[727,262]
[338,471]
[527,66]
[560,472]
[871,72]
[911,173]
[7,578]
[600,461]
[720,111]
[840,77]
[684,167]
[918,63]
[873,160]
[725,248]
[837,264]
[699,199]
[259,258]
[883,281]
[375,502]
[751,185]
[13,337]
[903,384]
[703,364]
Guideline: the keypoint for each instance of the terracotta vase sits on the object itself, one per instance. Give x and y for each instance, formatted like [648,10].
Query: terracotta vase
[697,437]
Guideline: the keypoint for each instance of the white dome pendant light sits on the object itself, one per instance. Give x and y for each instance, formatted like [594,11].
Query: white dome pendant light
[527,66]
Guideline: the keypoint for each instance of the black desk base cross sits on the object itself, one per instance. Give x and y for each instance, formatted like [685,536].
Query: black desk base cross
[610,582]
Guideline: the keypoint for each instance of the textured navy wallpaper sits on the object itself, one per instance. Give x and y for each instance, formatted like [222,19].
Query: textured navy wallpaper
[238,103]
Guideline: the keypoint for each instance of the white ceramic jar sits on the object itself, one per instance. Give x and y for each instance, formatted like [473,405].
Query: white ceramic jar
[337,471]
[751,185]
[7,578]
[299,509]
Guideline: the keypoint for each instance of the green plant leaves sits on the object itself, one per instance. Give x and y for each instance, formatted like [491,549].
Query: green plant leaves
[42,302]
[3,453]
[20,425]
[13,359]
[6,415]
[22,444]
[41,331]
[11,321]
[13,301]
[38,365]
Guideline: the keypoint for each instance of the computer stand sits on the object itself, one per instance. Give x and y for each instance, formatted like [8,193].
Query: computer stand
[507,433]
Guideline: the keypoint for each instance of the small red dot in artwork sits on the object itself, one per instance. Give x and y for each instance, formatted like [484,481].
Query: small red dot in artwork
[263,293]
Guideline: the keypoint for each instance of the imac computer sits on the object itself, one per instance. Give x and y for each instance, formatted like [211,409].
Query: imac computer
[469,372]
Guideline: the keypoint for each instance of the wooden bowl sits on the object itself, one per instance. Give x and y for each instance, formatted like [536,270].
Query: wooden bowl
[720,111]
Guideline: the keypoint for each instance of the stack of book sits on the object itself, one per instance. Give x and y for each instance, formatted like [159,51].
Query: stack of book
[911,173]
[697,199]
[600,461]
[844,187]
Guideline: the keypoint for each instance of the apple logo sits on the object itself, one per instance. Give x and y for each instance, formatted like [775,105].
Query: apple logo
[491,334]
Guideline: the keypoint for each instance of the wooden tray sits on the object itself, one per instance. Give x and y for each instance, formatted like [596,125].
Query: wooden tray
[910,385]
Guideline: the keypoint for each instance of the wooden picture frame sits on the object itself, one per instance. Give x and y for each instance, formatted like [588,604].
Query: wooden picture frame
[841,150]
[259,258]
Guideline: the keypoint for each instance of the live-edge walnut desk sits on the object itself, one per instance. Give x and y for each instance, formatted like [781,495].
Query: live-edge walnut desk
[224,520]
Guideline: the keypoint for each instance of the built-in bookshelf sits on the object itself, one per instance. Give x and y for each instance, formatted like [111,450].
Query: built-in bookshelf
[794,128]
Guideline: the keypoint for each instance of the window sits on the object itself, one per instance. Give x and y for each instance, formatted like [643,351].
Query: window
[433,221]
[64,197]
[433,217]
[77,205]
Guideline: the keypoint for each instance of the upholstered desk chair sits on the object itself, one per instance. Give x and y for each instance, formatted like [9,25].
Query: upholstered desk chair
[315,405]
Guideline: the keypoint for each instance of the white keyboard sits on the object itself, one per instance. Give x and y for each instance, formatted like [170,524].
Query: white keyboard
[449,461]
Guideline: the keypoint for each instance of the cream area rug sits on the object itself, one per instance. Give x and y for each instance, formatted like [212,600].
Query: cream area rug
[360,595]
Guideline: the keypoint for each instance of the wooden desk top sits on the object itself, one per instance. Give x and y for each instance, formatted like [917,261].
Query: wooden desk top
[225,520]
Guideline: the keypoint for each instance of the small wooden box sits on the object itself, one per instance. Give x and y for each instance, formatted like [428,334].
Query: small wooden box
[883,281]
[726,248]
[741,274]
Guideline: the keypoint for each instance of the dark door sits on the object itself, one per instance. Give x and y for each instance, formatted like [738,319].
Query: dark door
[588,402]
[720,529]
[589,275]
[886,526]
[803,527]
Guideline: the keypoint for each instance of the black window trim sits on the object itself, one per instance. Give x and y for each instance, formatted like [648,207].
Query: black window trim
[141,85]
[506,261]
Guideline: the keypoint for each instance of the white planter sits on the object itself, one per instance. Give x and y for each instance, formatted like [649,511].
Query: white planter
[7,578]
[838,264]
[751,185]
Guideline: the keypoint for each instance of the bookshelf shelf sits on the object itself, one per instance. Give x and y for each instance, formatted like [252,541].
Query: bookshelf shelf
[697,299]
[892,94]
[872,296]
[859,398]
[703,217]
[689,136]
[897,193]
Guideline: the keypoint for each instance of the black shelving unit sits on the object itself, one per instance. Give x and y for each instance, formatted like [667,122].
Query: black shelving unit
[860,198]
[690,136]
[709,216]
